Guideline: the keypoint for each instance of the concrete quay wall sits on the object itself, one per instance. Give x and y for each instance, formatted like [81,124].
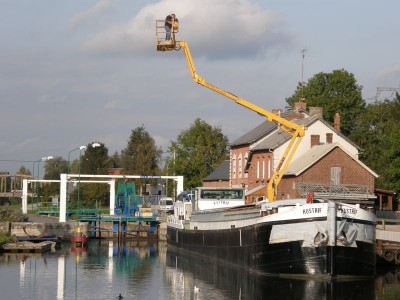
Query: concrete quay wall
[39,229]
[68,229]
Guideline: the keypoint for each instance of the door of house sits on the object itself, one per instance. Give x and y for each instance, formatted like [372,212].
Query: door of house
[335,175]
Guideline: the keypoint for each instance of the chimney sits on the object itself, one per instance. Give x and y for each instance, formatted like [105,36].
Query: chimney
[315,111]
[314,140]
[277,111]
[300,106]
[336,122]
[329,137]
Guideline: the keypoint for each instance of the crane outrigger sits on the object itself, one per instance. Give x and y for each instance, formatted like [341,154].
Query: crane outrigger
[294,130]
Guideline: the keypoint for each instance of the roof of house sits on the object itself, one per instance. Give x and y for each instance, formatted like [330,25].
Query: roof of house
[256,133]
[279,137]
[309,158]
[220,173]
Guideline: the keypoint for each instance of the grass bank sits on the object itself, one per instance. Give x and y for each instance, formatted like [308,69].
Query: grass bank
[10,214]
[4,238]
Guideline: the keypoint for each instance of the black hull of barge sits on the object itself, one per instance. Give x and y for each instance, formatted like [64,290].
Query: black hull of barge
[249,247]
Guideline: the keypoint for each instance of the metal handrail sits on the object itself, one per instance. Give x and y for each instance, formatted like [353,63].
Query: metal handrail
[334,190]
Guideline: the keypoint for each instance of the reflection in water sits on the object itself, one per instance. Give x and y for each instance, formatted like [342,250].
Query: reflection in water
[388,283]
[236,283]
[142,270]
[101,271]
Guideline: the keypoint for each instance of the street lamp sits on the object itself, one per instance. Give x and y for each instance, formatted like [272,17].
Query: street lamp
[46,158]
[80,148]
[79,175]
[69,153]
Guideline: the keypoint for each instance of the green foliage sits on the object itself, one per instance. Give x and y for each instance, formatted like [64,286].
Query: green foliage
[12,215]
[74,167]
[115,160]
[23,171]
[378,133]
[198,151]
[334,92]
[374,127]
[141,156]
[392,160]
[95,160]
[53,168]
[4,238]
[91,195]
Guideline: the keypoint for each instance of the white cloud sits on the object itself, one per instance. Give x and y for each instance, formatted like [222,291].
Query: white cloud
[86,16]
[234,28]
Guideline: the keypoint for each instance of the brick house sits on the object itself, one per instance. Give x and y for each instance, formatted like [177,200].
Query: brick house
[324,157]
[326,165]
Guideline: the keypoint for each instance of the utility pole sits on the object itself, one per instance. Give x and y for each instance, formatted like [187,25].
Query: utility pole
[379,90]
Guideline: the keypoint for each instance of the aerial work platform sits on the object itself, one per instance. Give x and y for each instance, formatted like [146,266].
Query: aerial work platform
[162,43]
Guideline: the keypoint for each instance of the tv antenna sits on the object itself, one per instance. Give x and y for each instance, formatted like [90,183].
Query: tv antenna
[303,54]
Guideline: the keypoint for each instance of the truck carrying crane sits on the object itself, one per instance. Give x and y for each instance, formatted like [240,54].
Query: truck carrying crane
[296,131]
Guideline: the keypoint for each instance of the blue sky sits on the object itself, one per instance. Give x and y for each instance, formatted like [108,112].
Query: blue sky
[74,72]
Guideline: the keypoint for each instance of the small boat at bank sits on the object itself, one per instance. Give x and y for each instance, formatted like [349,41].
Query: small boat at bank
[286,237]
[79,238]
[27,247]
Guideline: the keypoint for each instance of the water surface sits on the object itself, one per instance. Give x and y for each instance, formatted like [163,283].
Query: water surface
[143,270]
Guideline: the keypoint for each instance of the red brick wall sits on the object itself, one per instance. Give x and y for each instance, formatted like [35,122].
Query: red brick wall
[216,184]
[259,157]
[250,179]
[351,173]
[238,180]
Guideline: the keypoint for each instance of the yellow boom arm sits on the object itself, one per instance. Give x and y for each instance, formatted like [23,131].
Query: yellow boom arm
[294,130]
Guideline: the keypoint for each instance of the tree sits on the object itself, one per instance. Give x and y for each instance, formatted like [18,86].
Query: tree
[334,92]
[391,177]
[53,168]
[23,171]
[198,151]
[115,160]
[95,160]
[141,156]
[378,133]
[94,195]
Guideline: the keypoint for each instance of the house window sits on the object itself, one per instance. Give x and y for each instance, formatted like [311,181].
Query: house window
[246,159]
[258,169]
[263,170]
[240,165]
[234,166]
[335,175]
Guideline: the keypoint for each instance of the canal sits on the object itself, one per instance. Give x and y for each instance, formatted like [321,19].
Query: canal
[142,270]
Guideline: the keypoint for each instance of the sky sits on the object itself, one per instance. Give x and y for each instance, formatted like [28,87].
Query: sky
[77,72]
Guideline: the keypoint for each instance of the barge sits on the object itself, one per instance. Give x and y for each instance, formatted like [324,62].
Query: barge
[286,237]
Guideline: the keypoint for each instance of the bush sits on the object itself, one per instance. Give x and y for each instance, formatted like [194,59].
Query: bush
[4,238]
[12,215]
